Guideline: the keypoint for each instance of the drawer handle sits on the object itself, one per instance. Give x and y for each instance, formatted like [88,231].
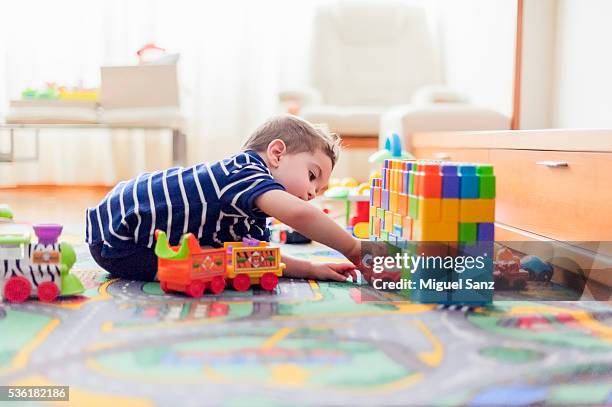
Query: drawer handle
[442,156]
[554,164]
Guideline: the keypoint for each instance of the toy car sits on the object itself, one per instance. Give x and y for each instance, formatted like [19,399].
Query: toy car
[191,269]
[537,268]
[507,272]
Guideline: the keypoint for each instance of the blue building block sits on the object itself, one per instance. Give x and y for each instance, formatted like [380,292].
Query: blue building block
[385,199]
[485,232]
[450,181]
[468,182]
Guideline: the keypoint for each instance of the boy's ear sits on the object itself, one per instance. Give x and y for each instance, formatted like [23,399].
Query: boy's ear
[276,149]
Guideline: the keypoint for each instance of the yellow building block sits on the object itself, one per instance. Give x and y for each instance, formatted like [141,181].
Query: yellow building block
[372,211]
[393,198]
[429,209]
[425,231]
[477,210]
[450,210]
[388,221]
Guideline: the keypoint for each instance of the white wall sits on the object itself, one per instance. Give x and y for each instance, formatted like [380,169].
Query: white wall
[539,36]
[582,87]
[478,38]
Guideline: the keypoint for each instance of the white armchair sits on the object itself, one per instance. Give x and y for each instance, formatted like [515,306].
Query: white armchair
[369,56]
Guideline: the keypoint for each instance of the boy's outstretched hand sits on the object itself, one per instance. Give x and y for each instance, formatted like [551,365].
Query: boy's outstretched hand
[333,271]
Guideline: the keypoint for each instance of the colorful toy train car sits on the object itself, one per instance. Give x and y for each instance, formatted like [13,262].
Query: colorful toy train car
[39,269]
[191,269]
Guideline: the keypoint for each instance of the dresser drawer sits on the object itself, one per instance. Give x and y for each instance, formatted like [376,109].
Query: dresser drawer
[561,195]
[452,154]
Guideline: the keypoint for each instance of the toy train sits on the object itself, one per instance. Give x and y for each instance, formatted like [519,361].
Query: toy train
[40,269]
[191,269]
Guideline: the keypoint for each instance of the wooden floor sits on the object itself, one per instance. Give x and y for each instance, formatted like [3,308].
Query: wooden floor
[51,204]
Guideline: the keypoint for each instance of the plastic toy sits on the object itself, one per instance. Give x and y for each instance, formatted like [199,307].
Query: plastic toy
[392,150]
[507,271]
[6,214]
[537,268]
[190,269]
[433,201]
[37,269]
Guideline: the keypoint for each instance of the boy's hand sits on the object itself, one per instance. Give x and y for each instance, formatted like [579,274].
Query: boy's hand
[333,271]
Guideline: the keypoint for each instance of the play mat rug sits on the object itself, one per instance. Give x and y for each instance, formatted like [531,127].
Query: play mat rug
[125,343]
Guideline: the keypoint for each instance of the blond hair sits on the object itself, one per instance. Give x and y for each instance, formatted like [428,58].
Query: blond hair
[298,135]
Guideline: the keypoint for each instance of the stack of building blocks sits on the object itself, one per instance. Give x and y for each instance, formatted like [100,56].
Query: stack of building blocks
[416,203]
[432,201]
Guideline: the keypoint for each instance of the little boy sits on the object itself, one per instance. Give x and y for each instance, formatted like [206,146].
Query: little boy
[283,164]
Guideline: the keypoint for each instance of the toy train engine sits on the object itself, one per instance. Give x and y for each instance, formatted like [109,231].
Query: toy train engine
[38,269]
[191,269]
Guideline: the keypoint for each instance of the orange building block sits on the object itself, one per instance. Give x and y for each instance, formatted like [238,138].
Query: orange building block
[477,210]
[402,204]
[377,195]
[425,231]
[429,209]
[393,197]
[450,210]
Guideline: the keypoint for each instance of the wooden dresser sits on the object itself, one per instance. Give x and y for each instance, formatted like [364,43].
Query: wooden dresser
[551,185]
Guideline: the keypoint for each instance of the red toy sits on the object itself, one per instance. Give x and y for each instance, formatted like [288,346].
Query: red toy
[190,269]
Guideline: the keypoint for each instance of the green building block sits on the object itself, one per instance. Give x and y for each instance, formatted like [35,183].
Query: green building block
[413,206]
[415,168]
[384,236]
[467,232]
[486,181]
[380,213]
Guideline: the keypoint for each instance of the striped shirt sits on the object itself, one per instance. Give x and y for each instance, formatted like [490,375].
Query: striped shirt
[213,201]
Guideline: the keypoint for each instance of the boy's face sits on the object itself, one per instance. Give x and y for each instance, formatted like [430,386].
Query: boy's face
[302,174]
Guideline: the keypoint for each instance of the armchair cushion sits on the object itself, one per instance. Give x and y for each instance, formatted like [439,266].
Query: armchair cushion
[349,120]
[408,119]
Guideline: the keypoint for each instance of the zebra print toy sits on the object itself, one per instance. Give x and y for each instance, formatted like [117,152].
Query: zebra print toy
[37,269]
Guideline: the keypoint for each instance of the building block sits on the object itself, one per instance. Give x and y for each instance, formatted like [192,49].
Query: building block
[402,204]
[388,221]
[397,219]
[486,181]
[376,227]
[468,182]
[411,174]
[393,195]
[485,232]
[384,236]
[413,206]
[429,181]
[407,228]
[477,210]
[372,211]
[467,232]
[436,231]
[397,231]
[376,197]
[380,213]
[450,210]
[385,199]
[429,209]
[450,181]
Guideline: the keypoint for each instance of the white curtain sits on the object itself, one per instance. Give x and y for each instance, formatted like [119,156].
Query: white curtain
[235,57]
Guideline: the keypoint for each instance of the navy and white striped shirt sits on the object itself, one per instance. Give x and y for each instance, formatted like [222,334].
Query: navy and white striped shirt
[213,201]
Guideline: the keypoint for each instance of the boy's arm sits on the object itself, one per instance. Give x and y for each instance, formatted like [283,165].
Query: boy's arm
[309,221]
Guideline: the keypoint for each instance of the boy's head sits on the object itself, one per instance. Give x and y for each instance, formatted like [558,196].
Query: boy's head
[300,155]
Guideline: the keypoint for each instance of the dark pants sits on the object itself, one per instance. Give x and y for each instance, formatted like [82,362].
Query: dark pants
[140,265]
